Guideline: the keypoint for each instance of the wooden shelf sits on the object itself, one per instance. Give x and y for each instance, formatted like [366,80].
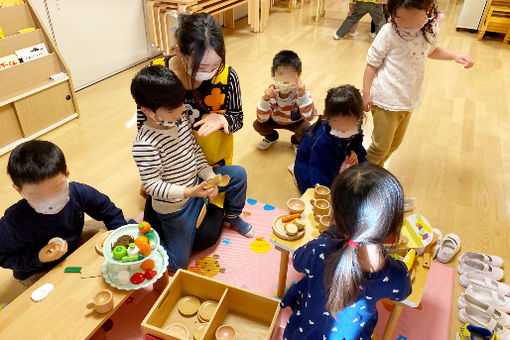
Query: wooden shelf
[31,103]
[19,41]
[15,18]
[24,78]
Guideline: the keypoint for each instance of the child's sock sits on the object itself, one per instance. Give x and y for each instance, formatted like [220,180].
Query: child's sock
[245,228]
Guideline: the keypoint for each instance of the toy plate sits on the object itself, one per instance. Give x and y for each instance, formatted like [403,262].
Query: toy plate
[111,270]
[132,230]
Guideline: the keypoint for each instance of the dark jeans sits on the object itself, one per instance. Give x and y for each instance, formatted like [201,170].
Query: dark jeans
[268,129]
[362,8]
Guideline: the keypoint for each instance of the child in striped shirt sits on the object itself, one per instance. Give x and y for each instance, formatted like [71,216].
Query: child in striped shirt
[286,104]
[174,169]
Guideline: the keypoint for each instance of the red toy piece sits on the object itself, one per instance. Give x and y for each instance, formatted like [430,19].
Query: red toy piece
[150,274]
[137,278]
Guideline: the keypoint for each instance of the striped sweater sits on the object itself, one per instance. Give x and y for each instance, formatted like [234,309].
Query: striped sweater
[287,111]
[169,161]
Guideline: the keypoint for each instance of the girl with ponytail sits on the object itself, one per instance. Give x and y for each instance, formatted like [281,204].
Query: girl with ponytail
[347,269]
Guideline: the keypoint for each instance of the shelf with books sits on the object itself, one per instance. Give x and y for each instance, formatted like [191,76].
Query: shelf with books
[37,93]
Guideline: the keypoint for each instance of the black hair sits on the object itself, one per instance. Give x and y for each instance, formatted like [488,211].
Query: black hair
[195,34]
[35,161]
[429,6]
[286,58]
[368,207]
[157,86]
[343,100]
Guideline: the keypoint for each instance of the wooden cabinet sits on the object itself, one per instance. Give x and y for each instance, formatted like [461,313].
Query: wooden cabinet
[10,130]
[45,108]
[31,102]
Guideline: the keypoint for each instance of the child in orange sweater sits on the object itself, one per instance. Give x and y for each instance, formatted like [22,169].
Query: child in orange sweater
[286,104]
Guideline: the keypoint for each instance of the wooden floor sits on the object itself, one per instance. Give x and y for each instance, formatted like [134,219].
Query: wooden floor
[455,158]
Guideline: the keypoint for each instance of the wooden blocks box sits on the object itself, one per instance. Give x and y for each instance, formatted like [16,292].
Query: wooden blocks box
[252,315]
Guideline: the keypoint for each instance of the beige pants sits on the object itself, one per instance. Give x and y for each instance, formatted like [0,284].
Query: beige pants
[389,130]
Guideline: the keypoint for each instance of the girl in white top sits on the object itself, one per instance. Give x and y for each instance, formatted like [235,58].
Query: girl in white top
[393,79]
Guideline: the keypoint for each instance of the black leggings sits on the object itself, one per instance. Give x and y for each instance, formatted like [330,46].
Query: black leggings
[206,236]
[372,25]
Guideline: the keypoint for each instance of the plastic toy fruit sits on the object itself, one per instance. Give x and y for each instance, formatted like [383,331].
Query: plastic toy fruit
[150,274]
[140,240]
[119,252]
[137,278]
[148,265]
[144,227]
[152,239]
[145,249]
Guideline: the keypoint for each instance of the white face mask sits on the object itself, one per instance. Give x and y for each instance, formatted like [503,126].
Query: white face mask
[166,123]
[346,134]
[203,76]
[413,31]
[53,205]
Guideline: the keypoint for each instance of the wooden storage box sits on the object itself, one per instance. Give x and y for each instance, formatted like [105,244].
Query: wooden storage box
[253,316]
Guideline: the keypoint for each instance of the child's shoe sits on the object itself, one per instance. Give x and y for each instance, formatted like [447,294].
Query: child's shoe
[354,34]
[476,279]
[468,265]
[450,246]
[498,315]
[491,260]
[372,35]
[237,222]
[489,297]
[409,204]
[266,144]
[478,318]
[471,332]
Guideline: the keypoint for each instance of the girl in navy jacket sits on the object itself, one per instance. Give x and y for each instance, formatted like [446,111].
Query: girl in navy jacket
[334,142]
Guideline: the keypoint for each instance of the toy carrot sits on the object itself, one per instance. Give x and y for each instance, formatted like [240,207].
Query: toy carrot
[144,227]
[289,218]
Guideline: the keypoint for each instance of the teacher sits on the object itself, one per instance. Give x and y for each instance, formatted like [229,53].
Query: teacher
[213,103]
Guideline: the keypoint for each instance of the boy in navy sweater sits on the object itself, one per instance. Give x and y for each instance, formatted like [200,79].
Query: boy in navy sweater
[51,207]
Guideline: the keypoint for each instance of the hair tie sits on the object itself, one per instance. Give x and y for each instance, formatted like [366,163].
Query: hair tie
[352,243]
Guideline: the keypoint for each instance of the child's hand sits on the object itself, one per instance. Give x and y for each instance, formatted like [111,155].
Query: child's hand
[367,102]
[210,123]
[214,194]
[464,60]
[143,192]
[200,191]
[52,252]
[268,92]
[349,161]
[300,87]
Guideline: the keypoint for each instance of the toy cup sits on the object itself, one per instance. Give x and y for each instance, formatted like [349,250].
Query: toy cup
[296,206]
[324,222]
[102,302]
[321,191]
[320,207]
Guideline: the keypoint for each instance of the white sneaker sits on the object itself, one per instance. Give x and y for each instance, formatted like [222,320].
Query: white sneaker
[469,265]
[491,260]
[490,297]
[450,246]
[372,35]
[336,37]
[291,169]
[476,279]
[409,204]
[476,317]
[468,300]
[266,144]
